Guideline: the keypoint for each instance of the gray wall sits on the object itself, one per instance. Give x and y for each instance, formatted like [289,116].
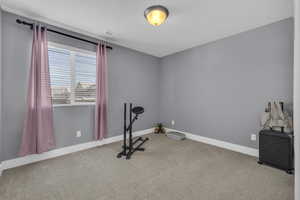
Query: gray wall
[132,76]
[297,97]
[220,89]
[217,90]
[1,144]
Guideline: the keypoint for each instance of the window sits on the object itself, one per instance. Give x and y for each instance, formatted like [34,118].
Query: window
[72,75]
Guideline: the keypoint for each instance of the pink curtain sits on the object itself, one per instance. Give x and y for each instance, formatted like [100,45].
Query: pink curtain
[38,126]
[101,93]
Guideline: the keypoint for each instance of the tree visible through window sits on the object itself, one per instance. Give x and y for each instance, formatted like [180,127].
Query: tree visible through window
[72,75]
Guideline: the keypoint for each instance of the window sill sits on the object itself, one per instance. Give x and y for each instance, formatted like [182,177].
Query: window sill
[72,105]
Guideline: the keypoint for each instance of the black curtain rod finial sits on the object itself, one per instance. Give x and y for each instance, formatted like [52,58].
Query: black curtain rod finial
[23,22]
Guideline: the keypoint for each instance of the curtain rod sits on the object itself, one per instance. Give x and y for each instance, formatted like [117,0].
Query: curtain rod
[60,33]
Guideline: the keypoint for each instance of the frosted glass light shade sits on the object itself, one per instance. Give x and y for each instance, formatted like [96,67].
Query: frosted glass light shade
[156,15]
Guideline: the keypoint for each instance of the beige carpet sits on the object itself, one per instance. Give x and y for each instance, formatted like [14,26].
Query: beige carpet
[167,170]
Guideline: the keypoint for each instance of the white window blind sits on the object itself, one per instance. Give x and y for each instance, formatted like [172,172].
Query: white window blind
[72,75]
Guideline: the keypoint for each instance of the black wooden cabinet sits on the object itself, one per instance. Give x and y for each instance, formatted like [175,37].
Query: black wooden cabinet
[276,149]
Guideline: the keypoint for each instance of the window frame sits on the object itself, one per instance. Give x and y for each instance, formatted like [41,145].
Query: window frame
[73,51]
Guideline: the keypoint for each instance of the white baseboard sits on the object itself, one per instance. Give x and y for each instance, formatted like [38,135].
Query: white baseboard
[8,164]
[219,143]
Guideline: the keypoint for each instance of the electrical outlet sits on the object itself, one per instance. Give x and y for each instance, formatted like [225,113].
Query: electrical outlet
[173,122]
[253,137]
[78,133]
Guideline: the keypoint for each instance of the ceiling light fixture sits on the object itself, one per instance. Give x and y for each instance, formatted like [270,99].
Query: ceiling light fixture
[156,15]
